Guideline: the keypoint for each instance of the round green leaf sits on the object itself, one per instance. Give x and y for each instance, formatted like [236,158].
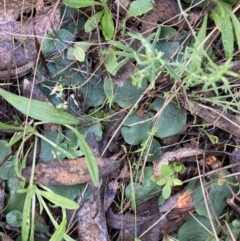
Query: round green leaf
[194,229]
[14,200]
[5,150]
[50,153]
[218,195]
[172,119]
[154,151]
[128,94]
[93,92]
[7,170]
[145,189]
[136,133]
[14,218]
[56,41]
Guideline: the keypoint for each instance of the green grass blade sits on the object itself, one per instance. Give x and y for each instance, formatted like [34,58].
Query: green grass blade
[4,126]
[26,213]
[236,25]
[59,233]
[90,159]
[59,200]
[39,110]
[226,29]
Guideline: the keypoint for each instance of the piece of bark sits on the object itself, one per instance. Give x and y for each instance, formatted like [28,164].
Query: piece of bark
[124,221]
[68,172]
[218,118]
[91,217]
[110,193]
[150,207]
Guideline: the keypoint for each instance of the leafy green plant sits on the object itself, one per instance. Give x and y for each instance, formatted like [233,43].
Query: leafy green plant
[104,16]
[168,177]
[29,194]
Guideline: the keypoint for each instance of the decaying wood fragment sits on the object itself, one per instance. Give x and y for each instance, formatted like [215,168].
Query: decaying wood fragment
[91,217]
[68,172]
[172,156]
[180,154]
[218,118]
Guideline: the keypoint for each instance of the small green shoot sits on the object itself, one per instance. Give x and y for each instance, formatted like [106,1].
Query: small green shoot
[168,178]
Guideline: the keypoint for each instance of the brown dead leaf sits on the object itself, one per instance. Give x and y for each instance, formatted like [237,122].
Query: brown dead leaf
[184,200]
[213,162]
[68,172]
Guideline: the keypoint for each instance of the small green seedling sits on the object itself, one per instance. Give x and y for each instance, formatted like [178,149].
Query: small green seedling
[168,177]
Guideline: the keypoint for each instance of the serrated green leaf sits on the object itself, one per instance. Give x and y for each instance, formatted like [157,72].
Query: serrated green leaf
[139,7]
[5,150]
[59,200]
[107,25]
[7,169]
[39,110]
[80,3]
[93,22]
